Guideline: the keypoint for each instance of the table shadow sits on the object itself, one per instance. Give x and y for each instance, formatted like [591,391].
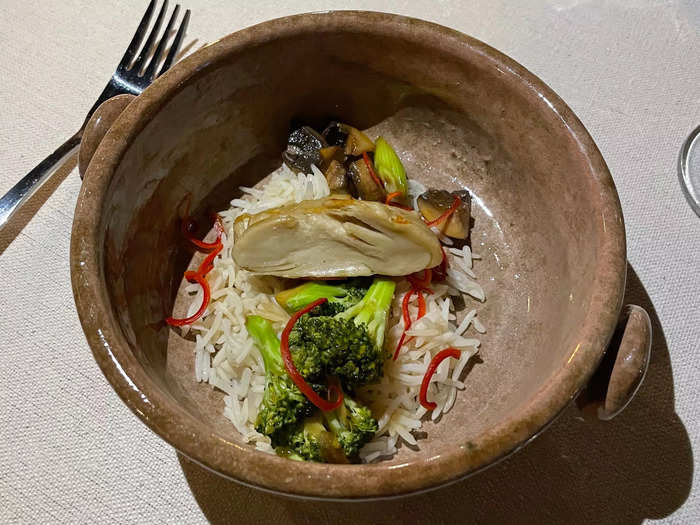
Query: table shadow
[25,213]
[637,466]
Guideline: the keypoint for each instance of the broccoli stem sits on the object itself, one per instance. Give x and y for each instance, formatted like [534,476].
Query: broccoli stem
[260,329]
[373,309]
[283,403]
[297,298]
[334,423]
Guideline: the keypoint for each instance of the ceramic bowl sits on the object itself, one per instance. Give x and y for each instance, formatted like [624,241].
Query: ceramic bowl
[547,223]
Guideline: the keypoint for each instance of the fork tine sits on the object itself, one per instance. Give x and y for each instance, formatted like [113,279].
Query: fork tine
[150,70]
[138,37]
[151,38]
[175,46]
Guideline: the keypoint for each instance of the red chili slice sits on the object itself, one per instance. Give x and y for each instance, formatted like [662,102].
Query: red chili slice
[404,307]
[456,204]
[406,321]
[391,197]
[198,278]
[398,346]
[406,316]
[421,305]
[299,381]
[440,271]
[428,278]
[208,263]
[188,224]
[371,169]
[432,367]
[421,282]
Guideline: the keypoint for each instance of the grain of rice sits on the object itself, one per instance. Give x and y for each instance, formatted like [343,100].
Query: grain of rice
[451,396]
[459,367]
[405,434]
[466,321]
[479,327]
[219,358]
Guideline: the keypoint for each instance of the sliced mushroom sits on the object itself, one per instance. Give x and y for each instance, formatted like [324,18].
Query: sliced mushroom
[365,185]
[352,139]
[433,203]
[303,149]
[337,178]
[335,134]
[357,142]
[334,237]
[331,153]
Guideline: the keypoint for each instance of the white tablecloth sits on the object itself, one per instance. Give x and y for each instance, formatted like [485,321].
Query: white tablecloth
[70,451]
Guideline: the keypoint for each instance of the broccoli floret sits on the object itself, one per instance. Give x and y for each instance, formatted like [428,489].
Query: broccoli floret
[336,305]
[341,296]
[304,439]
[353,426]
[334,437]
[283,403]
[336,347]
[306,344]
[310,440]
[372,311]
[348,345]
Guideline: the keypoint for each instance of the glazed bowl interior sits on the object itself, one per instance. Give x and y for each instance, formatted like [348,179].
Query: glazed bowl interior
[546,223]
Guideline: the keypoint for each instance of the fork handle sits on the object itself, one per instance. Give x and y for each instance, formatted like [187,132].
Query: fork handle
[30,183]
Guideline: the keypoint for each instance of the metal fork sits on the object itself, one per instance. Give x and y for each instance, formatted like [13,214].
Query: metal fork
[126,79]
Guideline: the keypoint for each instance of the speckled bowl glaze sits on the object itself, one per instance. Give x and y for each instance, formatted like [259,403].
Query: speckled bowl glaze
[547,222]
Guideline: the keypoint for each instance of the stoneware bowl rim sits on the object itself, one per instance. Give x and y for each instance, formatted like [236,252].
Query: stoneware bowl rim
[244,464]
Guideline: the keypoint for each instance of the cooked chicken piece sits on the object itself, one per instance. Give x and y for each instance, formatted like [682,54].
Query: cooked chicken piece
[334,237]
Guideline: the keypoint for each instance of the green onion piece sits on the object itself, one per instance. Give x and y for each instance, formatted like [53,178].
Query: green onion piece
[389,168]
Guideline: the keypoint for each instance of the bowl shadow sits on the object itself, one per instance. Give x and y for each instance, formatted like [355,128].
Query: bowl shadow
[635,467]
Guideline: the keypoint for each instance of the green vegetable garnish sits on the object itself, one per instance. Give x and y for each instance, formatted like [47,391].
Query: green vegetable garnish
[389,168]
[344,337]
[335,437]
[341,296]
[372,311]
[283,403]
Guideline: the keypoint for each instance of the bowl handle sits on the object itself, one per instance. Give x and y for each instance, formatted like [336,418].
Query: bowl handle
[622,370]
[96,128]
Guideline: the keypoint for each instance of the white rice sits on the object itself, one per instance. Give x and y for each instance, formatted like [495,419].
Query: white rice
[226,357]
